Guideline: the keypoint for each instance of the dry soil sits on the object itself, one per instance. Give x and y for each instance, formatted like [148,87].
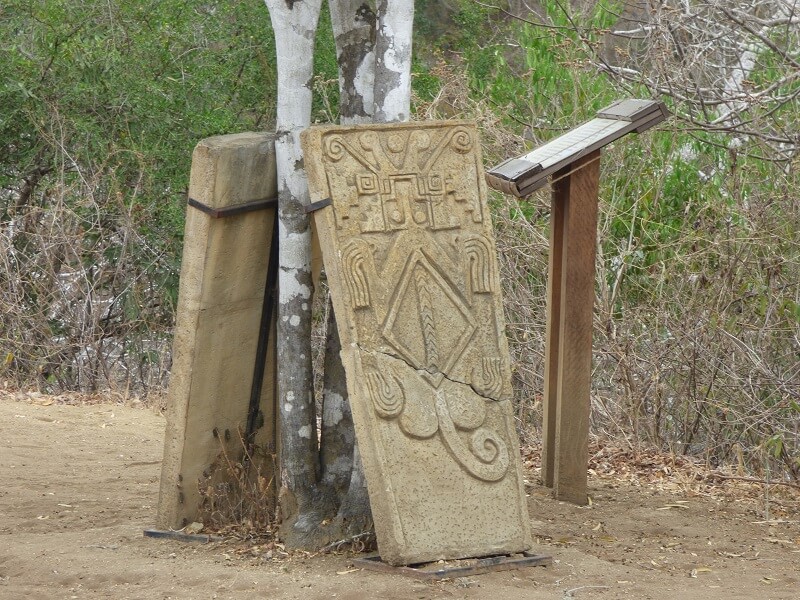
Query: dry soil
[79,484]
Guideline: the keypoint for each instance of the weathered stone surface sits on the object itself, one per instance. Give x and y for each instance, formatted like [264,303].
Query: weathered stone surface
[410,258]
[223,274]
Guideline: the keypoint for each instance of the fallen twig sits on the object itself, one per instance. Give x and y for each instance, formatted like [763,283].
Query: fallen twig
[339,543]
[571,593]
[754,480]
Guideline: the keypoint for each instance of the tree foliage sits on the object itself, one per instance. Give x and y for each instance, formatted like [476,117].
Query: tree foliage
[698,316]
[102,103]
[697,321]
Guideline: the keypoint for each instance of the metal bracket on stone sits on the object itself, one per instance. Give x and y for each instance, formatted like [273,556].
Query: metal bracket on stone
[238,209]
[524,174]
[315,206]
[457,568]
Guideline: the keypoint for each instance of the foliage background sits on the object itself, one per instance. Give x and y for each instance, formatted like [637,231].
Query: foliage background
[697,320]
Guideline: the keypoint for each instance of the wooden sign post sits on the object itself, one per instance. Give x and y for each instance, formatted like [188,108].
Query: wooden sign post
[573,161]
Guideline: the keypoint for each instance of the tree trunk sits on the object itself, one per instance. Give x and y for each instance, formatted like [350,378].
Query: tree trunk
[379,88]
[338,435]
[353,24]
[374,55]
[393,60]
[294,23]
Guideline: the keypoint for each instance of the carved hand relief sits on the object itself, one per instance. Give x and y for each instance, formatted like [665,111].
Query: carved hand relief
[487,377]
[478,254]
[356,262]
[386,393]
[412,268]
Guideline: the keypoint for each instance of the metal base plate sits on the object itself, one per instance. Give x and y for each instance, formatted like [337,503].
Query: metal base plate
[181,537]
[457,568]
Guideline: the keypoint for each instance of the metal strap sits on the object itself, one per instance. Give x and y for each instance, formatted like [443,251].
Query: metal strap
[238,209]
[315,206]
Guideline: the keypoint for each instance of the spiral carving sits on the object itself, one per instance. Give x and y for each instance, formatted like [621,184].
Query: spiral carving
[487,457]
[488,446]
[334,148]
[461,141]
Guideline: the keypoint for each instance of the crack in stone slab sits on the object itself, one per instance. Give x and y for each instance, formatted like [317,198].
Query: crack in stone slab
[422,371]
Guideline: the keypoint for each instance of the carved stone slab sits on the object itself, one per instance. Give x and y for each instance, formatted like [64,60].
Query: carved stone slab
[410,256]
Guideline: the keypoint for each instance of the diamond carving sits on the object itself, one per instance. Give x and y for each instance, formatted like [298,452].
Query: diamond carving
[422,300]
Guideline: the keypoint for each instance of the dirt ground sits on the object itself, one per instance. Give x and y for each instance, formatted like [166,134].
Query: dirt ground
[79,484]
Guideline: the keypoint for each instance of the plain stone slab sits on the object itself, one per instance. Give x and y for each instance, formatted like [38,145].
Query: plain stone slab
[222,282]
[411,262]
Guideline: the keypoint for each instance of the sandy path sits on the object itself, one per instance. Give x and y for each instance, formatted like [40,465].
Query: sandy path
[78,484]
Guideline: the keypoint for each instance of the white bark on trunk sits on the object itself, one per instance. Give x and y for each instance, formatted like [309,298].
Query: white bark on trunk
[375,82]
[294,23]
[393,60]
[338,436]
[372,86]
[353,24]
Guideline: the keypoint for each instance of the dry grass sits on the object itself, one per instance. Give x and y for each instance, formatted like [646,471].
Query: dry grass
[238,492]
[82,302]
[697,354]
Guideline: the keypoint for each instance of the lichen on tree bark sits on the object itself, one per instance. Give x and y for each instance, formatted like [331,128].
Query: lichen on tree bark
[294,23]
[393,60]
[323,490]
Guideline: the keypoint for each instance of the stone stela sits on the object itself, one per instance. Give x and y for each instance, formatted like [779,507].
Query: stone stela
[411,262]
[212,396]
